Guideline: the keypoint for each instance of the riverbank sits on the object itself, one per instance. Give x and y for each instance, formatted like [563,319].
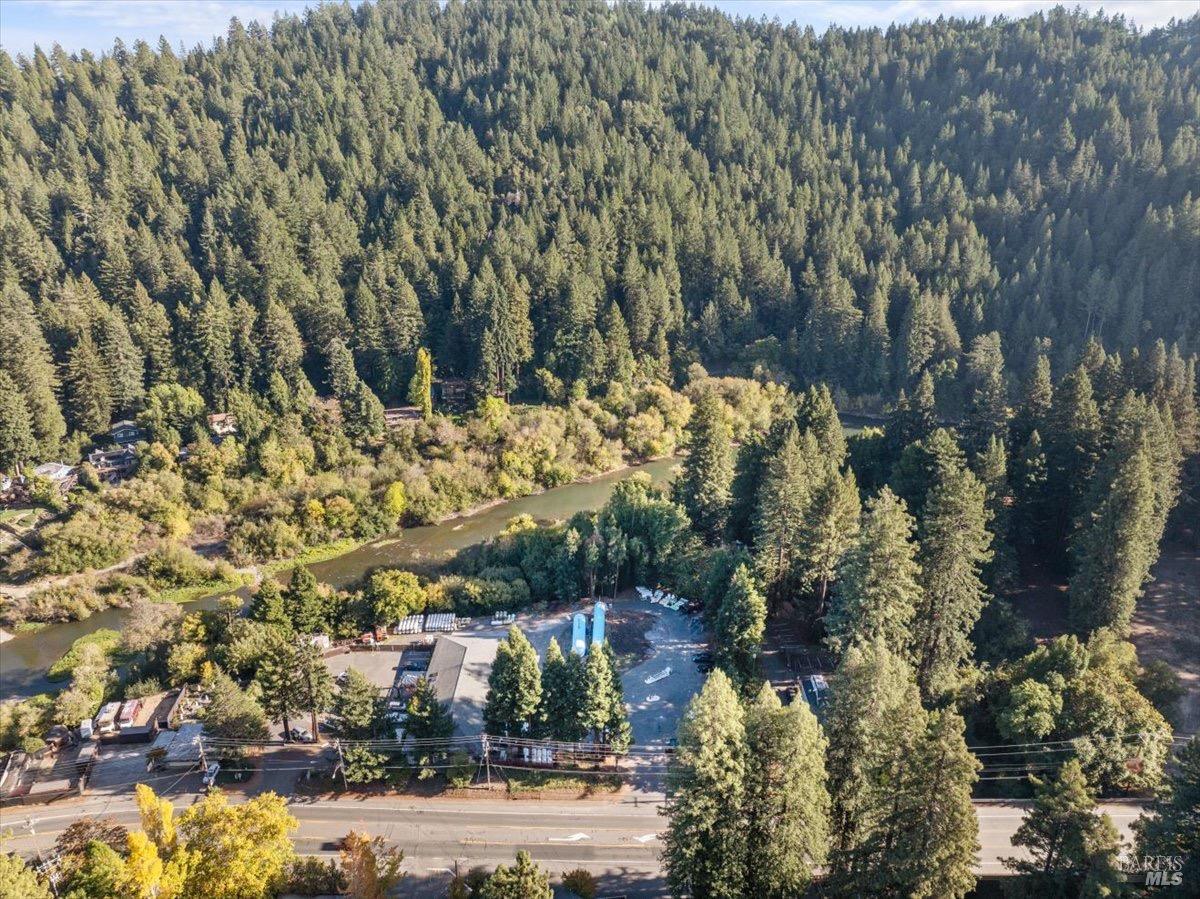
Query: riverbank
[26,657]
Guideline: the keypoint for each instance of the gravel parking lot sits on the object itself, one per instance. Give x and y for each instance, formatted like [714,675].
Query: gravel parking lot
[378,666]
[654,709]
[675,637]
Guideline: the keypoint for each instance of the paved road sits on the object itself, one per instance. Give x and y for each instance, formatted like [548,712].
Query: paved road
[615,840]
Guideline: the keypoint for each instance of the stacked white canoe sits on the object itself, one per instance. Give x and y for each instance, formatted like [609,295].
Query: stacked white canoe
[662,598]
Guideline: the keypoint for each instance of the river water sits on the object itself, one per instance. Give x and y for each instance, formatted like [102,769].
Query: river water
[25,659]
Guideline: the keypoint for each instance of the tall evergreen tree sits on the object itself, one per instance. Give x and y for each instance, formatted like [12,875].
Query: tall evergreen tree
[787,804]
[1073,449]
[1071,849]
[211,342]
[937,837]
[86,390]
[1114,550]
[828,531]
[817,413]
[362,413]
[1171,826]
[878,584]
[420,388]
[514,687]
[17,444]
[873,723]
[150,327]
[784,500]
[315,684]
[267,604]
[279,680]
[25,357]
[903,823]
[705,845]
[1032,514]
[280,343]
[748,474]
[703,487]
[599,700]
[955,545]
[302,602]
[986,412]
[914,418]
[427,717]
[359,708]
[991,467]
[1037,399]
[564,692]
[123,361]
[741,624]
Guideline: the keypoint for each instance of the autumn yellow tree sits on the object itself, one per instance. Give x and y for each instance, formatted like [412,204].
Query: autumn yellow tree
[240,851]
[143,867]
[158,819]
[371,867]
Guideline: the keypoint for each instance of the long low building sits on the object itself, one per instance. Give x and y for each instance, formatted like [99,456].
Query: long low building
[459,670]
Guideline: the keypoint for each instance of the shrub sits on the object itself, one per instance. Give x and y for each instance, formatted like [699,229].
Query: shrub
[105,638]
[93,537]
[260,540]
[66,601]
[394,594]
[363,765]
[581,882]
[461,772]
[173,565]
[23,723]
[310,876]
[140,689]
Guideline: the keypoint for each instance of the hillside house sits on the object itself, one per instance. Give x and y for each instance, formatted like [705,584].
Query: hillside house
[222,425]
[113,465]
[63,476]
[126,433]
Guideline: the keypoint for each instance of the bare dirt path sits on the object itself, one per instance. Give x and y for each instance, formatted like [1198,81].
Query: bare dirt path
[1166,624]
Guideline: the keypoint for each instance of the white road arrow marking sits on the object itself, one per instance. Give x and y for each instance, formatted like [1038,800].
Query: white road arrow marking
[573,838]
[646,837]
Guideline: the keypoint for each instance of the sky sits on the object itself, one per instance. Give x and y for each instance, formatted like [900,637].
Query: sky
[94,24]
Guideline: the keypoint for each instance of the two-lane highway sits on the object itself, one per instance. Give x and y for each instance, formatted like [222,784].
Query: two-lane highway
[616,840]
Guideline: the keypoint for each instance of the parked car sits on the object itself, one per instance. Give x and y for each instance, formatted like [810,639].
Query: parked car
[301,735]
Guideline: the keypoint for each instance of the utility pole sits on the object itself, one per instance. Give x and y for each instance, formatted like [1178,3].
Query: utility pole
[341,764]
[487,757]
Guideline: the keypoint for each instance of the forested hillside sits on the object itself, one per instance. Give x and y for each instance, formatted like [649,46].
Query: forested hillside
[555,196]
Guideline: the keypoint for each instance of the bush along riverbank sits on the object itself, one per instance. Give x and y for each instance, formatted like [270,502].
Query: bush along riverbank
[257,501]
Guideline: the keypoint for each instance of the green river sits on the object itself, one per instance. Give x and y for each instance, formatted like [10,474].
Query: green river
[25,658]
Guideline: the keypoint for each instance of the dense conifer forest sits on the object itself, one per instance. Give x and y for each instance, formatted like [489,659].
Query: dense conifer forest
[553,196]
[567,237]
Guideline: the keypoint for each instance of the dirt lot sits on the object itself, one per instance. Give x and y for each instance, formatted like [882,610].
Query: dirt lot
[627,630]
[1040,601]
[1166,624]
